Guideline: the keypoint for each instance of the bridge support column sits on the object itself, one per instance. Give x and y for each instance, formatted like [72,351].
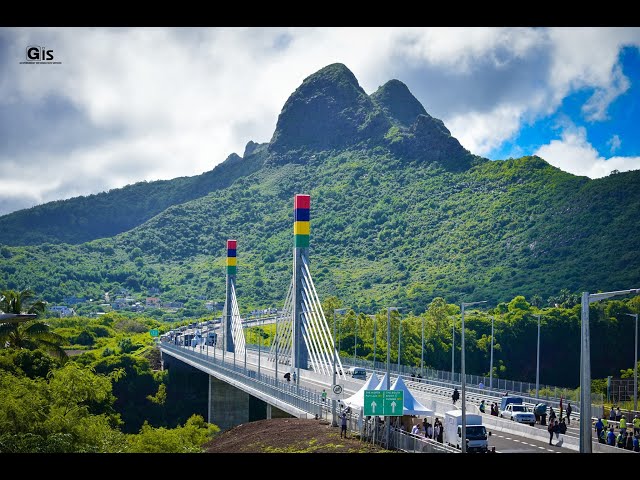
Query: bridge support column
[268,411]
[228,406]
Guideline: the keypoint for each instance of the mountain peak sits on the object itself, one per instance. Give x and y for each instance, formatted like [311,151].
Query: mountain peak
[329,110]
[398,103]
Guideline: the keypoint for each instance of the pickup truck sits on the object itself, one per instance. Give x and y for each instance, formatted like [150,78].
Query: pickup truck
[518,413]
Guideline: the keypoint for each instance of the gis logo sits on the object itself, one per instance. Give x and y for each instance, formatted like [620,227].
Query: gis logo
[36,53]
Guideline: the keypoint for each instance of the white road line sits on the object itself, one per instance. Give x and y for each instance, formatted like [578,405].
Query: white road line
[516,440]
[541,448]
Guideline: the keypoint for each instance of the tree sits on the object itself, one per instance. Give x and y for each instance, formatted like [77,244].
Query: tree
[12,301]
[32,335]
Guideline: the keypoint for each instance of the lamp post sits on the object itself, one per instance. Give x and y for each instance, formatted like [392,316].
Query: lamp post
[399,338]
[275,339]
[334,422]
[422,350]
[355,341]
[373,318]
[259,349]
[387,419]
[463,386]
[635,365]
[453,346]
[538,362]
[585,364]
[491,361]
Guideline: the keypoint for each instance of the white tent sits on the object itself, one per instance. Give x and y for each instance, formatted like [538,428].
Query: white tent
[411,405]
[357,399]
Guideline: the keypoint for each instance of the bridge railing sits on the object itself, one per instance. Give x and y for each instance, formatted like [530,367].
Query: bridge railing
[297,396]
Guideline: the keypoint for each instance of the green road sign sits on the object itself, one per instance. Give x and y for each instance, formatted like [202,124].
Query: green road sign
[373,400]
[383,402]
[154,332]
[393,402]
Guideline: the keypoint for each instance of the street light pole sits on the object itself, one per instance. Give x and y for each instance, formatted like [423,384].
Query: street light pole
[635,365]
[491,361]
[374,343]
[422,350]
[355,341]
[399,337]
[463,382]
[453,346]
[585,364]
[334,422]
[387,419]
[538,362]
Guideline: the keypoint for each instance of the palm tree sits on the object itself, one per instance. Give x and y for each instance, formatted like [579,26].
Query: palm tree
[32,334]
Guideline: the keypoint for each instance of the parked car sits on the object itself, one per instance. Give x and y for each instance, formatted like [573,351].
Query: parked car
[518,413]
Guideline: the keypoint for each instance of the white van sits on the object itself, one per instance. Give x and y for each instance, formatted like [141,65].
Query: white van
[357,372]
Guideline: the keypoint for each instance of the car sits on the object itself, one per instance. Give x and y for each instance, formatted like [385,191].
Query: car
[357,372]
[518,413]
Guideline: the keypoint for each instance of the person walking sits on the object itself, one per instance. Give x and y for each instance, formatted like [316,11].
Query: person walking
[324,395]
[611,437]
[552,415]
[456,395]
[612,414]
[623,424]
[618,414]
[636,425]
[343,424]
[550,430]
[481,407]
[599,427]
[569,410]
[562,429]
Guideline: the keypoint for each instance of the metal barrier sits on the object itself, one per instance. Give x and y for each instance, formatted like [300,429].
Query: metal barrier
[297,396]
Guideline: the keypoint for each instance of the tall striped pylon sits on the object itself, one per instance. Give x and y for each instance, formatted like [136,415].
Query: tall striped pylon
[301,231]
[229,345]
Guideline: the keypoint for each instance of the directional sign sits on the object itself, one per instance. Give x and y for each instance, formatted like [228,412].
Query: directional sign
[383,402]
[373,402]
[393,402]
[154,332]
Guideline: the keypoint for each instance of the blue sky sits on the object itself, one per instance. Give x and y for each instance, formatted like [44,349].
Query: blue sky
[133,104]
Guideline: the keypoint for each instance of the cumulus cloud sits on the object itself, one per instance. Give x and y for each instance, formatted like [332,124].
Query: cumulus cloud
[132,104]
[574,154]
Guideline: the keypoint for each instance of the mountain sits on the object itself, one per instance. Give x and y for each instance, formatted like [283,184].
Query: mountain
[400,213]
[85,218]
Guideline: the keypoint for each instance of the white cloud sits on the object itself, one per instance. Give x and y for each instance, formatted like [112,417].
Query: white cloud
[154,103]
[574,154]
[614,143]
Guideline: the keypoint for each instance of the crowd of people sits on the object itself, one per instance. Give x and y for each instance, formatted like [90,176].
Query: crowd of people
[629,440]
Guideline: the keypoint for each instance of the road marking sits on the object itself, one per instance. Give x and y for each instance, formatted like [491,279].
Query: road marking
[541,448]
[516,440]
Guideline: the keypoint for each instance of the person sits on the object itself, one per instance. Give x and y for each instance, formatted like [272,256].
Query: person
[324,395]
[612,414]
[550,430]
[569,410]
[636,443]
[456,395]
[416,429]
[611,437]
[621,439]
[636,425]
[481,407]
[601,438]
[481,385]
[629,444]
[287,376]
[343,424]
[429,431]
[420,378]
[623,424]
[599,427]
[552,415]
[618,414]
[562,429]
[294,376]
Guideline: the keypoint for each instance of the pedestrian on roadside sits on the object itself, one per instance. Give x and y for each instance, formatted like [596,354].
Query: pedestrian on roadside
[429,431]
[550,430]
[562,429]
[569,410]
[636,443]
[552,415]
[415,430]
[623,424]
[611,437]
[481,407]
[612,414]
[621,439]
[618,414]
[456,395]
[636,425]
[343,424]
[629,444]
[599,427]
[324,395]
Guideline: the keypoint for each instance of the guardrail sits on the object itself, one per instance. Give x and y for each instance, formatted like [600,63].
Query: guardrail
[297,396]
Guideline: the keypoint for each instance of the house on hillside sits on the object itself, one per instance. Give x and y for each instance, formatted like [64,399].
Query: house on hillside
[62,311]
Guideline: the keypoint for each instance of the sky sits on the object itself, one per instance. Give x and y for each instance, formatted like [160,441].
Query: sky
[124,105]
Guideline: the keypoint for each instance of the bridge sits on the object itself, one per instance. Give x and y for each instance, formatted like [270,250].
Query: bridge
[247,382]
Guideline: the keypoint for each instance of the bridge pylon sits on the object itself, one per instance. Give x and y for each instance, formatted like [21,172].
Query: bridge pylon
[232,333]
[303,339]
